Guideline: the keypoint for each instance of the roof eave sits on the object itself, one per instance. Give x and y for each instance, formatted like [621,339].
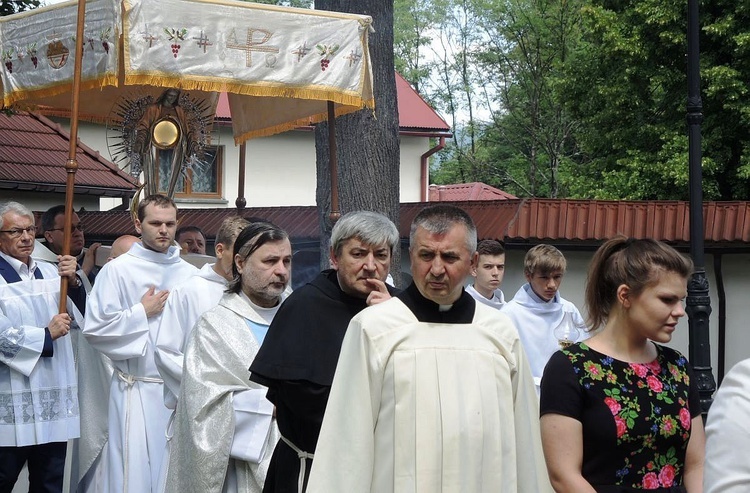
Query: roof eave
[408,131]
[61,188]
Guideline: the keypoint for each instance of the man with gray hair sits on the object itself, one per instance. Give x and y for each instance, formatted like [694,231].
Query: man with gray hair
[298,357]
[432,391]
[38,387]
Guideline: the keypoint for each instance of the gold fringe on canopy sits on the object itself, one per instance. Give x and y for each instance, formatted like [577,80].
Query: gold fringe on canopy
[279,65]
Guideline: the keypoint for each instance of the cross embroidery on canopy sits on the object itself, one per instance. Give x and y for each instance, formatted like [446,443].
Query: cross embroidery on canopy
[149,37]
[252,44]
[301,51]
[203,41]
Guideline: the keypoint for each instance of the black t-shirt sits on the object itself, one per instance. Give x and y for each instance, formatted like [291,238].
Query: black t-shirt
[636,417]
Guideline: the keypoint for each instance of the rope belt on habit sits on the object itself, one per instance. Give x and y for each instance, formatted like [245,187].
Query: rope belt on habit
[302,465]
[130,380]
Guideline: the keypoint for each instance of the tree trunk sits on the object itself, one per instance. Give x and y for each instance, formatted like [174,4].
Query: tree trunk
[367,142]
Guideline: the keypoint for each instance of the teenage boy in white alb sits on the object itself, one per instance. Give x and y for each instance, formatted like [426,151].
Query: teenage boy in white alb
[488,274]
[537,308]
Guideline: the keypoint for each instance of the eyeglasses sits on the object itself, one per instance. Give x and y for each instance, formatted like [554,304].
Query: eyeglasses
[18,232]
[73,227]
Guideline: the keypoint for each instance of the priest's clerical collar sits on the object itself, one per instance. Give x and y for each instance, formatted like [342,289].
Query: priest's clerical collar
[461,312]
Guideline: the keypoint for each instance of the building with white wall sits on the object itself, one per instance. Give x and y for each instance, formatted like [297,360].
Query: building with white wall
[285,162]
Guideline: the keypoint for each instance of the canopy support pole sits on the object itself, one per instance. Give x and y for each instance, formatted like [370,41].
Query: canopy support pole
[71,166]
[240,203]
[334,163]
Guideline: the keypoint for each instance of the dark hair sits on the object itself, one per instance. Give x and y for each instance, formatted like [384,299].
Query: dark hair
[48,217]
[248,241]
[157,200]
[635,263]
[188,229]
[439,219]
[490,247]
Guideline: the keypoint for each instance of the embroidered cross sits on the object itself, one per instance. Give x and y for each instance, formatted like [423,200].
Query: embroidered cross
[203,41]
[301,51]
[353,57]
[251,44]
[53,36]
[149,37]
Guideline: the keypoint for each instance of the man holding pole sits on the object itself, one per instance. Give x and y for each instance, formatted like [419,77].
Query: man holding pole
[38,391]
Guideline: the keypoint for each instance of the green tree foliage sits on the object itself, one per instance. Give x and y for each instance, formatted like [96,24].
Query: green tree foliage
[8,7]
[725,65]
[626,85]
[496,67]
[523,59]
[587,98]
[455,84]
[412,21]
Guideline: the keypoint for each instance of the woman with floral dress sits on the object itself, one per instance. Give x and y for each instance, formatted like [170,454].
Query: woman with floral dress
[620,411]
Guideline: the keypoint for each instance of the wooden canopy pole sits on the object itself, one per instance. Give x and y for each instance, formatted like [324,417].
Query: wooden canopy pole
[334,163]
[71,166]
[240,203]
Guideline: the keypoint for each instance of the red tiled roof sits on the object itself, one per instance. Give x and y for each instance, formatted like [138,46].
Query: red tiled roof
[519,221]
[300,222]
[222,108]
[414,114]
[33,153]
[465,192]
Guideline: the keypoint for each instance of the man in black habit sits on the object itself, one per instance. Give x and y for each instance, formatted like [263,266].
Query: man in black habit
[298,357]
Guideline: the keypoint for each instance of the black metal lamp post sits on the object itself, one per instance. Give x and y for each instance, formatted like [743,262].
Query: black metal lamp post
[698,303]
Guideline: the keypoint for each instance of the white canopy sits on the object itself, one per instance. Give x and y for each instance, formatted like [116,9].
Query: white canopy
[280,66]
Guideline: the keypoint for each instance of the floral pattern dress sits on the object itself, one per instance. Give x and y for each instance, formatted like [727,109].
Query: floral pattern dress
[636,417]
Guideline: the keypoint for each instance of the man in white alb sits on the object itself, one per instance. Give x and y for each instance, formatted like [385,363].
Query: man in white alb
[432,391]
[185,304]
[122,320]
[544,319]
[190,300]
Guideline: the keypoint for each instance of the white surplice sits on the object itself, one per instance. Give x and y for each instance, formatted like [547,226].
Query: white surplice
[116,325]
[727,469]
[86,457]
[186,303]
[536,320]
[219,405]
[497,301]
[430,407]
[38,395]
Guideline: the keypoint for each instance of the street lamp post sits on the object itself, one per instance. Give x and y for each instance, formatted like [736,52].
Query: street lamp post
[698,303]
